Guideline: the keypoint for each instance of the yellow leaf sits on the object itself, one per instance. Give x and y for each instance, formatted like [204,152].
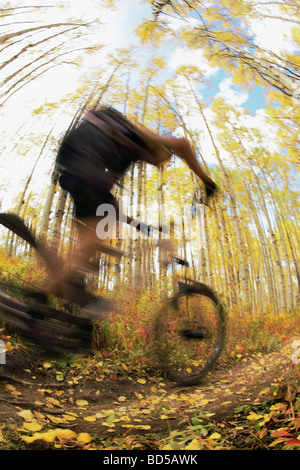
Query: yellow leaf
[125,418]
[215,435]
[203,402]
[28,439]
[167,447]
[82,403]
[50,436]
[122,399]
[193,445]
[52,401]
[264,391]
[90,418]
[56,419]
[45,436]
[141,381]
[84,438]
[69,417]
[27,415]
[278,406]
[65,434]
[43,391]
[39,403]
[32,426]
[39,416]
[8,346]
[125,367]
[46,365]
[254,416]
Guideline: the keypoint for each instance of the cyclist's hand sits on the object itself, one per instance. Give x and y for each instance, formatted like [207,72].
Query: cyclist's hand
[211,190]
[144,228]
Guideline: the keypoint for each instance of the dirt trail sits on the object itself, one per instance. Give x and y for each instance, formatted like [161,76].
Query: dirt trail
[128,405]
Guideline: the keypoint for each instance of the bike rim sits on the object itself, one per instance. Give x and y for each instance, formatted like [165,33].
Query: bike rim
[191,335]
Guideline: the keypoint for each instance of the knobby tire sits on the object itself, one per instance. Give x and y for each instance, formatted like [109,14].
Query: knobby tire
[189,346]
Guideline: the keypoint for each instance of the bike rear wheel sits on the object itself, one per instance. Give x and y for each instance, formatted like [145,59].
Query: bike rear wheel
[190,333]
[25,308]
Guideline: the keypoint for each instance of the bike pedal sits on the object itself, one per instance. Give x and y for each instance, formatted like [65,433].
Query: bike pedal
[193,334]
[39,297]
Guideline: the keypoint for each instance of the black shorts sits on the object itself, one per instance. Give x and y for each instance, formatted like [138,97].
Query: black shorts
[86,197]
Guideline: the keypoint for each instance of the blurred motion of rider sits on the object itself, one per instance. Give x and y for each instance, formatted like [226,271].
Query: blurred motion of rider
[91,159]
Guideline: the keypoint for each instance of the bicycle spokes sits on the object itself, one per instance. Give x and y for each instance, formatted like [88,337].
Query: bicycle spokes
[191,333]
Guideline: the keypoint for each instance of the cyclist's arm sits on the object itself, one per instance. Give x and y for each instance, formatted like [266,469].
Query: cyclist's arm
[183,149]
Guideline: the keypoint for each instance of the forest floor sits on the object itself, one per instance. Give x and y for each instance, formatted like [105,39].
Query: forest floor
[89,405]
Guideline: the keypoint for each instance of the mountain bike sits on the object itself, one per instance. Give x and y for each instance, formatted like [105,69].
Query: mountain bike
[190,327]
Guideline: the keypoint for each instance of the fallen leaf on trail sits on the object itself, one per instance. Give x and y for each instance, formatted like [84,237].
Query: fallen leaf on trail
[44,436]
[69,417]
[125,418]
[141,381]
[34,426]
[264,391]
[50,436]
[59,376]
[122,399]
[82,403]
[167,447]
[193,445]
[52,401]
[39,416]
[89,418]
[39,403]
[44,391]
[215,435]
[254,416]
[203,402]
[110,420]
[27,415]
[56,419]
[278,406]
[83,438]
[65,433]
[13,391]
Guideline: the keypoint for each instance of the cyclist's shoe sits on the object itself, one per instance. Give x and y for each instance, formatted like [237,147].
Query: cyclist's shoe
[96,308]
[193,334]
[74,291]
[38,297]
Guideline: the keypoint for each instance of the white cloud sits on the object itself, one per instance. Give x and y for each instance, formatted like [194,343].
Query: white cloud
[231,95]
[185,56]
[272,32]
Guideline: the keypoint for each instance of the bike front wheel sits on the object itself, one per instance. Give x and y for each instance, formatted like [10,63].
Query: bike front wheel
[190,333]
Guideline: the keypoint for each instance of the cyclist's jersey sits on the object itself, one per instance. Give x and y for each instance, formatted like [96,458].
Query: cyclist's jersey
[102,148]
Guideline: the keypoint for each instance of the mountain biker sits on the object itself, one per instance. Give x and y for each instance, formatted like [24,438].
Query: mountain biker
[91,159]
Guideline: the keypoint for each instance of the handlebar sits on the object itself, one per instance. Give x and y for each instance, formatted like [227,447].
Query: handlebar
[149,229]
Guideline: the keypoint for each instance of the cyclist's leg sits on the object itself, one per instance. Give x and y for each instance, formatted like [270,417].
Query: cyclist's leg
[70,284]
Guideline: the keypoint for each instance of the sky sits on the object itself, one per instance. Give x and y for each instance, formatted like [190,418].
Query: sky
[116,30]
